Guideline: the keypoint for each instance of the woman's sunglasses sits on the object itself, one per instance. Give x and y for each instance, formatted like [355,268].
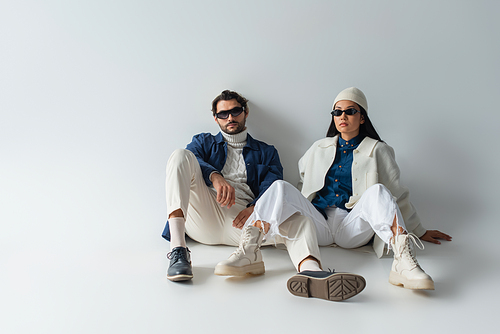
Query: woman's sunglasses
[236,111]
[350,111]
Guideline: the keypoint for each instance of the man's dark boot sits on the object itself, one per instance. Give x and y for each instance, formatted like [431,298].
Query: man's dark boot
[180,265]
[326,285]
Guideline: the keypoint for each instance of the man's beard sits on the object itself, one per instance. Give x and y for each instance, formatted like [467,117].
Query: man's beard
[234,131]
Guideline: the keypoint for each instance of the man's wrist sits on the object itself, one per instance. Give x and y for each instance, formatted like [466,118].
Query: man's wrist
[212,174]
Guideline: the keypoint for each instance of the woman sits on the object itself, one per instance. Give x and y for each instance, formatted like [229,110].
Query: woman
[351,182]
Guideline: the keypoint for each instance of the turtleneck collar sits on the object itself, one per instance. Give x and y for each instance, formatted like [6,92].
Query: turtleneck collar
[239,139]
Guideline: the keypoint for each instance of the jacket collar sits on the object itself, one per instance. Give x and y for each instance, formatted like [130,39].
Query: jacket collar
[219,139]
[251,143]
[366,147]
[329,141]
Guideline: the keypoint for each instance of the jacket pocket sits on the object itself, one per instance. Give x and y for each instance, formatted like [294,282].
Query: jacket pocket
[371,179]
[262,171]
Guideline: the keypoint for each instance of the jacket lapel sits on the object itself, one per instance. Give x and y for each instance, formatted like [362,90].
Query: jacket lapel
[318,165]
[367,145]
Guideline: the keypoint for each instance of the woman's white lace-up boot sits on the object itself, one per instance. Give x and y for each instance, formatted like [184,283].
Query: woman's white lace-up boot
[405,270]
[247,259]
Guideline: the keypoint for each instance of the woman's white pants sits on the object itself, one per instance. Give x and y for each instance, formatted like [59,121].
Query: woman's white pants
[373,213]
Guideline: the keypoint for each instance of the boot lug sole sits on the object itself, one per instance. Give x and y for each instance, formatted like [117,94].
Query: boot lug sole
[399,280]
[252,269]
[179,278]
[338,287]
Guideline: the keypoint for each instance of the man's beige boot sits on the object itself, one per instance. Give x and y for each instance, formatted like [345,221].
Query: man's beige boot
[405,270]
[247,259]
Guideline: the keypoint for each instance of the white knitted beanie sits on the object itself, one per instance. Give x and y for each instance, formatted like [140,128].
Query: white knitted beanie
[352,94]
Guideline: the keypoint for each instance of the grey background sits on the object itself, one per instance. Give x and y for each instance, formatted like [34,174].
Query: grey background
[95,95]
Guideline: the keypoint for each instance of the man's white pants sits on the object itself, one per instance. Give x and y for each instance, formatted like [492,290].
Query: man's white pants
[373,213]
[209,223]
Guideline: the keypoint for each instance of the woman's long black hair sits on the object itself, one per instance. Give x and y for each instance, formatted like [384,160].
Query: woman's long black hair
[366,129]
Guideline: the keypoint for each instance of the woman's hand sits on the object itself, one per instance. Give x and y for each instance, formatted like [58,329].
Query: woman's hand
[433,235]
[242,217]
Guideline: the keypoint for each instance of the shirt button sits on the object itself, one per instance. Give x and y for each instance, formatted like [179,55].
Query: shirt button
[347,143]
[337,195]
[355,194]
[355,179]
[340,166]
[336,180]
[344,151]
[356,151]
[355,163]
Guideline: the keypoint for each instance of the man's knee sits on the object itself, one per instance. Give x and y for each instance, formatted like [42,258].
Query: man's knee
[179,157]
[181,154]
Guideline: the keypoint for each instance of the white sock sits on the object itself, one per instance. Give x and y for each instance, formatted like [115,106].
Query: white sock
[177,230]
[310,265]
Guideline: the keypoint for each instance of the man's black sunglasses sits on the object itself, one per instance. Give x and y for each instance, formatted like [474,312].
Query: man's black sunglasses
[236,111]
[338,112]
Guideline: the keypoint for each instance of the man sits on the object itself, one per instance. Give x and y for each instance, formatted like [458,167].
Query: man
[212,187]
[214,181]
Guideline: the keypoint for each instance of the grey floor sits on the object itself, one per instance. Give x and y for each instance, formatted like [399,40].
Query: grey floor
[103,280]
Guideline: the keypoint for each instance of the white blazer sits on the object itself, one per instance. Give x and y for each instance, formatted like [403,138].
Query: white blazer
[373,162]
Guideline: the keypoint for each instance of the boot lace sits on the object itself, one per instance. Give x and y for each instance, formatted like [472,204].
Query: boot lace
[177,254]
[244,239]
[411,252]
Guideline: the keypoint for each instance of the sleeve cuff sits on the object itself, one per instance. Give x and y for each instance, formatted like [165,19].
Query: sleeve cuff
[419,230]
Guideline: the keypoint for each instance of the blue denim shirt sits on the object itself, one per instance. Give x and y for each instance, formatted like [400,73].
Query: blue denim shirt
[262,162]
[338,180]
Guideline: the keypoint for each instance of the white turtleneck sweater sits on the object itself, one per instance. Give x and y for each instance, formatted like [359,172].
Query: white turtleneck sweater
[234,170]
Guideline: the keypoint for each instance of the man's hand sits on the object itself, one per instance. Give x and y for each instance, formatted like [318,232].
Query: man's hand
[225,192]
[433,235]
[242,217]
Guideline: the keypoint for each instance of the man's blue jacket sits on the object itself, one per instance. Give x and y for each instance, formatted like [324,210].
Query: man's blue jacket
[262,161]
